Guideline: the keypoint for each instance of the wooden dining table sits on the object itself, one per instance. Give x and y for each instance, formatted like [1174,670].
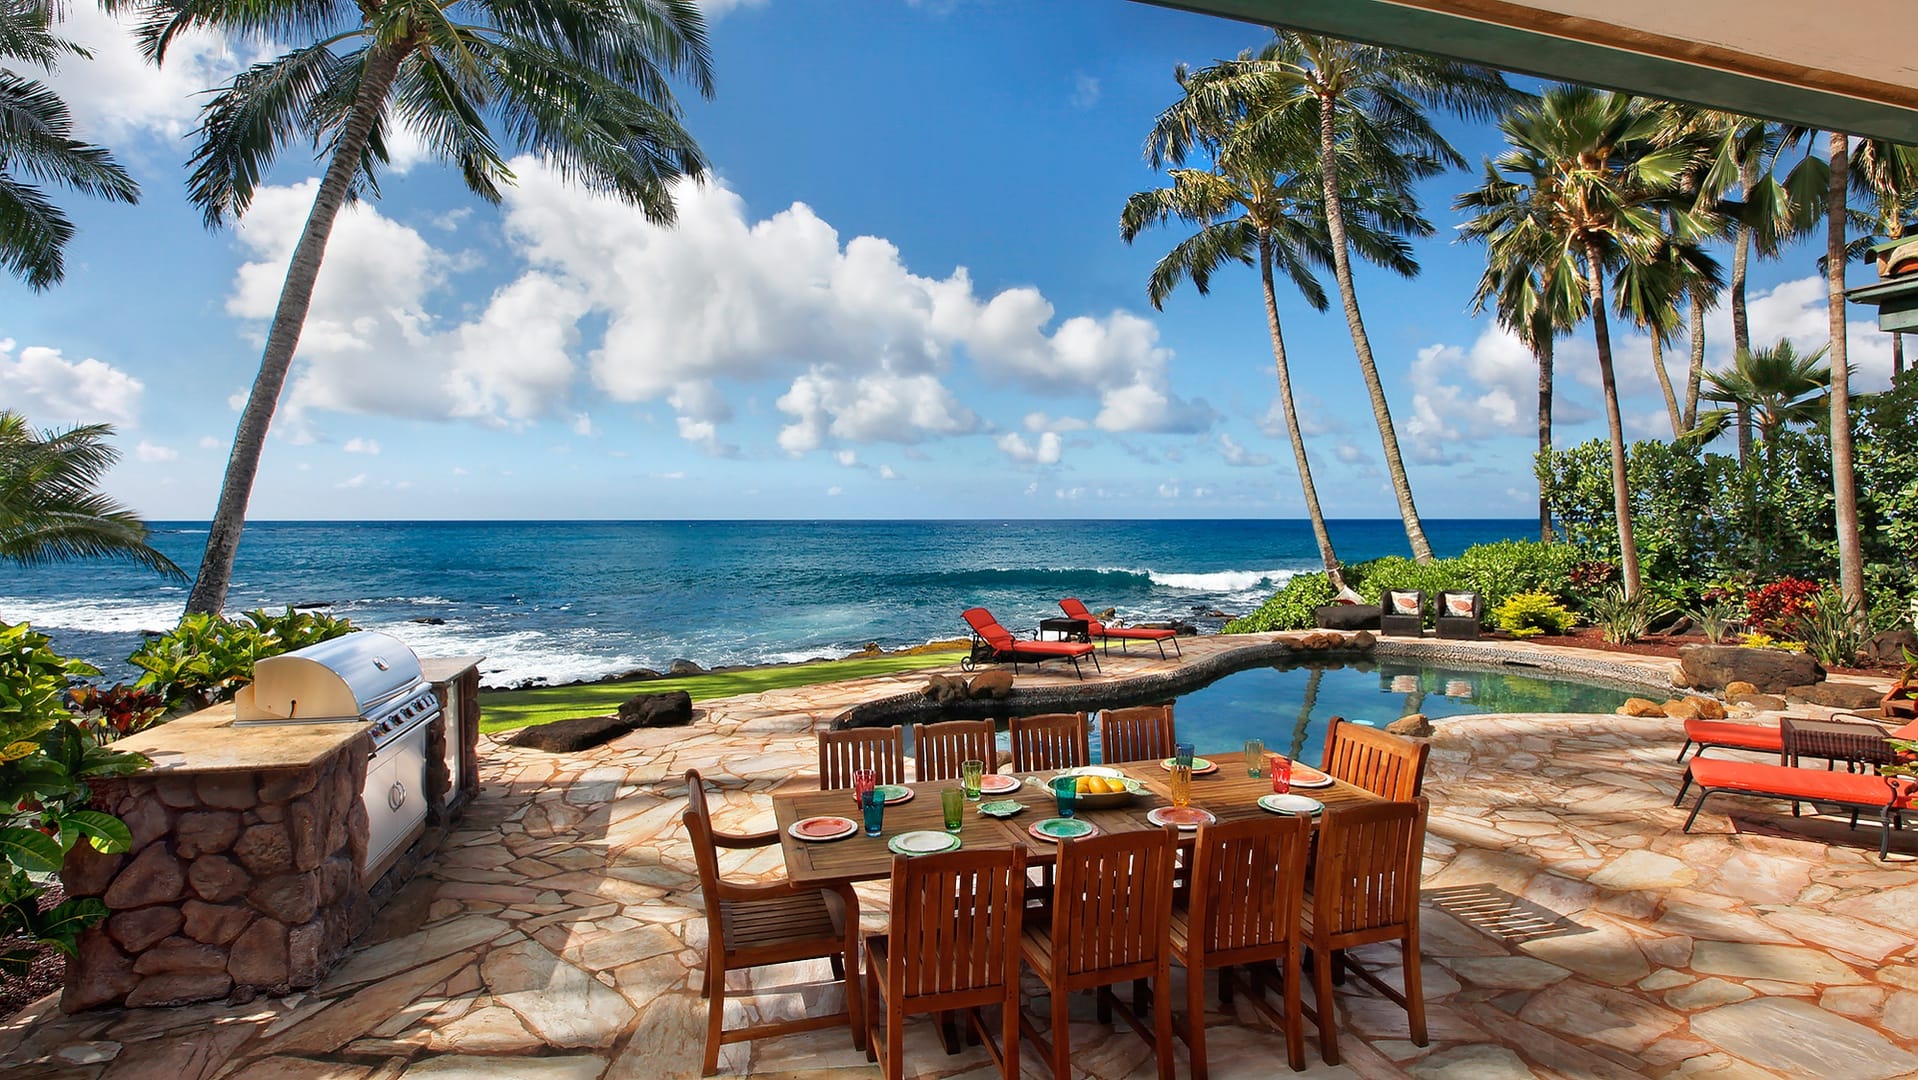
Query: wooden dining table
[1227,792]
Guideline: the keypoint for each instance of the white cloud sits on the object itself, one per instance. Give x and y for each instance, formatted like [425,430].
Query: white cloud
[361,446]
[147,451]
[847,458]
[869,408]
[583,424]
[118,94]
[1235,454]
[354,481]
[1039,421]
[1351,454]
[1045,451]
[886,473]
[1797,310]
[835,490]
[208,442]
[54,391]
[1085,91]
[718,9]
[1169,489]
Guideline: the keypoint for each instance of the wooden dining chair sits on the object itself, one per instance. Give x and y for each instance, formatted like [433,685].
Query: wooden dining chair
[1109,922]
[953,946]
[1387,765]
[842,753]
[1248,883]
[1139,734]
[940,749]
[750,926]
[1050,741]
[1365,889]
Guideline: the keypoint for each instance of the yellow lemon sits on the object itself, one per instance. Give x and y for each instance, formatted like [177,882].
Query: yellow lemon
[1109,786]
[1084,785]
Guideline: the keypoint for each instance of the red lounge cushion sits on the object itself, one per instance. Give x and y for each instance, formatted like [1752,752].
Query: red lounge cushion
[1853,789]
[1742,736]
[1052,648]
[1909,731]
[1136,634]
[988,628]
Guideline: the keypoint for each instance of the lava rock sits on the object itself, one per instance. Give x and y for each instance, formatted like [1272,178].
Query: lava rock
[1708,708]
[945,688]
[671,709]
[1850,697]
[153,877]
[674,708]
[1711,667]
[1639,706]
[215,924]
[1680,709]
[1347,616]
[683,666]
[991,684]
[206,832]
[1737,689]
[178,989]
[259,955]
[1760,702]
[1415,725]
[429,620]
[101,974]
[138,929]
[1889,647]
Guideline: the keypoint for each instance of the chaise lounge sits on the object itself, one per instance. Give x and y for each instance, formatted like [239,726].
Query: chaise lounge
[1075,609]
[994,644]
[1890,796]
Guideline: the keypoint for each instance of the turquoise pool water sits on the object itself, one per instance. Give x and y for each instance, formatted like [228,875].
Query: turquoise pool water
[1289,707]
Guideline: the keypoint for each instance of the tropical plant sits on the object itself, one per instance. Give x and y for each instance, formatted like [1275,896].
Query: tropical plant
[1621,616]
[1832,628]
[207,658]
[1715,617]
[1647,292]
[1531,614]
[582,84]
[50,508]
[37,147]
[46,764]
[1758,639]
[1776,386]
[1291,608]
[1613,190]
[1367,105]
[114,712]
[1778,605]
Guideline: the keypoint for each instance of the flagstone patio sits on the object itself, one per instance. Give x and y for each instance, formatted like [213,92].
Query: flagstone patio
[1570,931]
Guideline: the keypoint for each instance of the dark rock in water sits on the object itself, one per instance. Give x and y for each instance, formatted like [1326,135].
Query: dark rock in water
[1836,695]
[683,666]
[1178,626]
[430,620]
[1888,647]
[1770,671]
[638,674]
[311,604]
[670,709]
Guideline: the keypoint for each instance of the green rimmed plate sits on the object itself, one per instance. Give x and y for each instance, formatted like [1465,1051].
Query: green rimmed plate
[1200,766]
[1060,828]
[894,793]
[923,842]
[1003,808]
[1291,804]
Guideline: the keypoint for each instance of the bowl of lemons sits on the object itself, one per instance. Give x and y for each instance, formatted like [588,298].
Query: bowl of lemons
[1101,788]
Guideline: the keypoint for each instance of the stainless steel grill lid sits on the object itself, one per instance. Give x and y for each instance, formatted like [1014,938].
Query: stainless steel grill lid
[346,678]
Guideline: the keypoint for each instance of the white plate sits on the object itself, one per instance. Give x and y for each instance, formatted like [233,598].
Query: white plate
[1090,770]
[797,828]
[923,842]
[1320,780]
[1291,804]
[998,783]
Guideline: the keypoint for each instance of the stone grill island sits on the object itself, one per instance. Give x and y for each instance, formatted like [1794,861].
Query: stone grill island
[248,871]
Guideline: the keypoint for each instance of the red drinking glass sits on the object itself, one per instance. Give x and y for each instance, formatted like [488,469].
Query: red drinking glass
[1281,767]
[863,781]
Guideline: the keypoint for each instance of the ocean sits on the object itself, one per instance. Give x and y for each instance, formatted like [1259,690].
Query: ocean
[557,601]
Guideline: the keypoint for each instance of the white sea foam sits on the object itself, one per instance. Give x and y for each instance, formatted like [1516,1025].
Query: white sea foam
[1223,581]
[101,615]
[514,656]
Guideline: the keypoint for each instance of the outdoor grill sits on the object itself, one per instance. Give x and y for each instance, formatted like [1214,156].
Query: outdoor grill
[365,678]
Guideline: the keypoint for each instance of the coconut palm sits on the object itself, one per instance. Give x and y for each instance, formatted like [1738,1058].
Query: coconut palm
[1605,180]
[1368,105]
[1533,283]
[37,147]
[1778,386]
[50,508]
[583,84]
[1647,292]
[1265,198]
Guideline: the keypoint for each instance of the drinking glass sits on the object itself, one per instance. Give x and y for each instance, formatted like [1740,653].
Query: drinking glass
[863,781]
[1255,757]
[1066,788]
[1281,774]
[872,806]
[1182,753]
[1181,784]
[953,802]
[971,774]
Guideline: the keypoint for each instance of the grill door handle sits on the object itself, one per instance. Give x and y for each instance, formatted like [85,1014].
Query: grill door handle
[396,795]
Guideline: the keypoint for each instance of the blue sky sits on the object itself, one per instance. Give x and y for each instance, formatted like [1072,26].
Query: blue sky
[903,294]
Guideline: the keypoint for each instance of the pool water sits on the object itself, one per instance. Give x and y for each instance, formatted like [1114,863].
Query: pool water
[1290,707]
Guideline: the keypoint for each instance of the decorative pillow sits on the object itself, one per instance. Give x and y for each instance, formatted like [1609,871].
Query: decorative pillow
[1405,603]
[1459,604]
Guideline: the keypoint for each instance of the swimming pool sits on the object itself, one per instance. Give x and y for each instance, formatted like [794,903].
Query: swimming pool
[1290,706]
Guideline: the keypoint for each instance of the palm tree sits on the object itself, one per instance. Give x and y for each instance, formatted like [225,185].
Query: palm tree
[581,83]
[1367,104]
[1264,198]
[49,508]
[1533,283]
[1604,179]
[1776,385]
[1647,292]
[37,144]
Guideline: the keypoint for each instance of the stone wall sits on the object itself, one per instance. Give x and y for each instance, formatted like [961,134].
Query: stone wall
[237,884]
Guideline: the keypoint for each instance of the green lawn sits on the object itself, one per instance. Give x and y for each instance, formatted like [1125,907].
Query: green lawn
[507,709]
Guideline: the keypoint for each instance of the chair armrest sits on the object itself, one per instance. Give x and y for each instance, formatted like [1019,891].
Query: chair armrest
[745,840]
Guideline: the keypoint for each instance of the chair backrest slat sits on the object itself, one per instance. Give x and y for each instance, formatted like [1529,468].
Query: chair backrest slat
[1367,872]
[1112,904]
[1050,741]
[955,920]
[699,828]
[1389,766]
[940,749]
[1248,882]
[988,628]
[1144,733]
[841,753]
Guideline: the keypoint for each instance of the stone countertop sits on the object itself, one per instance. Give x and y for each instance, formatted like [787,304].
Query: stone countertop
[209,740]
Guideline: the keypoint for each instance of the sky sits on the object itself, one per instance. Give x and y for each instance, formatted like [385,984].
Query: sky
[901,294]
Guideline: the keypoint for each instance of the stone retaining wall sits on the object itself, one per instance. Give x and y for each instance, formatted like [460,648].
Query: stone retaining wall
[237,884]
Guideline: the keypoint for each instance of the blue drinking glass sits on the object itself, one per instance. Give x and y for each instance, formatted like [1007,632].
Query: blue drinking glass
[1066,788]
[1182,753]
[872,807]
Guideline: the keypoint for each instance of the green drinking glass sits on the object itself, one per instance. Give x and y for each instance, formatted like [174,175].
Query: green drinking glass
[952,801]
[972,774]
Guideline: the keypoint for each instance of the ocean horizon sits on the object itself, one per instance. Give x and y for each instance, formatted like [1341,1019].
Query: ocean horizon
[559,601]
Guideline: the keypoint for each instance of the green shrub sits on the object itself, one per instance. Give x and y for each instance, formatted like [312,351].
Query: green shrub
[1289,609]
[1532,613]
[1623,619]
[1832,629]
[207,658]
[1495,571]
[1715,616]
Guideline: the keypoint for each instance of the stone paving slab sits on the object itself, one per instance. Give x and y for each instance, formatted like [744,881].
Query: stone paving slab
[1570,930]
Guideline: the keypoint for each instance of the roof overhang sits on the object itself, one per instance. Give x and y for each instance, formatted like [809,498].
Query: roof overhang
[1845,65]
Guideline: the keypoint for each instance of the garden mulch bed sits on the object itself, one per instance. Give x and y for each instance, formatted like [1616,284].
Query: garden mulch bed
[43,978]
[1667,645]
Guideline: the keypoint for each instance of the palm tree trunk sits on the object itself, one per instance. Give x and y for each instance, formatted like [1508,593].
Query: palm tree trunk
[1665,384]
[1741,327]
[1851,565]
[1543,351]
[1319,532]
[1614,423]
[1695,371]
[296,296]
[1897,353]
[1361,344]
